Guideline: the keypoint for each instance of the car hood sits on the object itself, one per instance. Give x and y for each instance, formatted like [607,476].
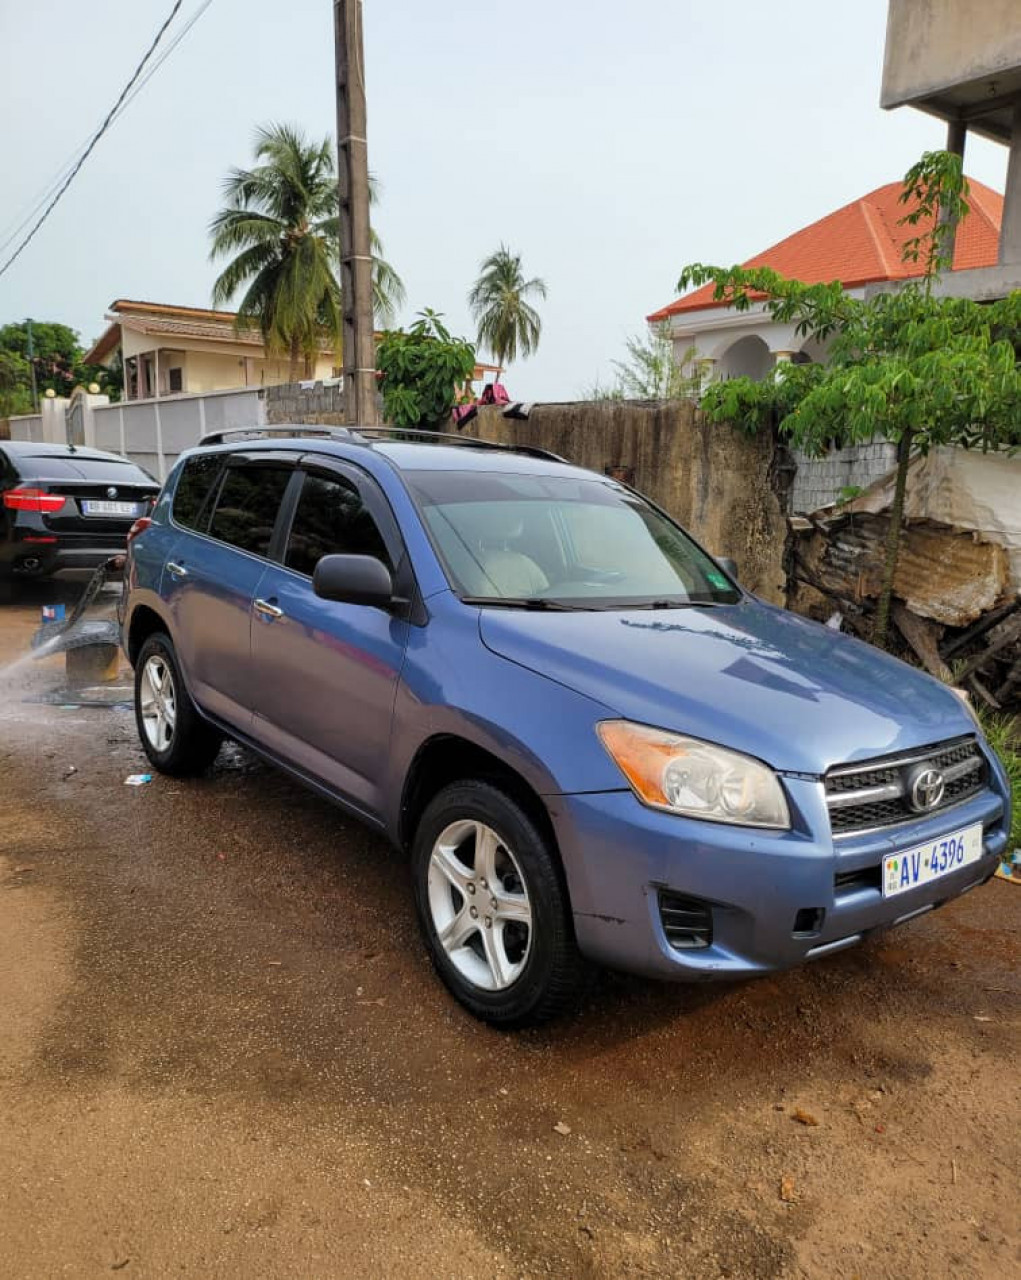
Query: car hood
[748,676]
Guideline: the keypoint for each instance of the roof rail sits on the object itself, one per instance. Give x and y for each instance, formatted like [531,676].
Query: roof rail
[280,430]
[470,442]
[362,435]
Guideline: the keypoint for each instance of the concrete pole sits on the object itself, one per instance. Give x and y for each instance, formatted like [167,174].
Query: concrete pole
[1010,230]
[359,351]
[31,364]
[957,136]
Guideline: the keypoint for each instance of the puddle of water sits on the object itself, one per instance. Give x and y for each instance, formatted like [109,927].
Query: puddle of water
[117,697]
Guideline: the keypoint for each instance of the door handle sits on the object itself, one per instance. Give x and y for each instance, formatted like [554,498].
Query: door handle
[178,570]
[269,611]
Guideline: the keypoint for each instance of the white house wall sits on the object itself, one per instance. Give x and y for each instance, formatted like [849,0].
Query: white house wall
[211,364]
[711,333]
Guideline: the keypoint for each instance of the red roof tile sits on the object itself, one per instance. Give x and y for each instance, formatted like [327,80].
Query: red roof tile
[862,243]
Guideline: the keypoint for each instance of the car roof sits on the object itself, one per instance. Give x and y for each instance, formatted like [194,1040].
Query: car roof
[428,452]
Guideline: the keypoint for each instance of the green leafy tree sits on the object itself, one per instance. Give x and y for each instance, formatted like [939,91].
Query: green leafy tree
[420,371]
[508,324]
[650,371]
[57,356]
[282,226]
[907,365]
[15,385]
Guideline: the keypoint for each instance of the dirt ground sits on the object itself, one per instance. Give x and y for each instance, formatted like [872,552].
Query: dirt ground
[223,1053]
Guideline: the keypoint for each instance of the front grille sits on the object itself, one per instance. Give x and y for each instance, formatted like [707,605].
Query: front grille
[877,794]
[687,922]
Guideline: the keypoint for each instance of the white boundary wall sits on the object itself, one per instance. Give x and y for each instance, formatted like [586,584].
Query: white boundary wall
[154,433]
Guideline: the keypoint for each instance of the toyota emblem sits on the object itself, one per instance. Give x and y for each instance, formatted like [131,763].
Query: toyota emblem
[111,492]
[926,789]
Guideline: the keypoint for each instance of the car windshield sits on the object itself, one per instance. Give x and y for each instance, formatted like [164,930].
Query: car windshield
[540,541]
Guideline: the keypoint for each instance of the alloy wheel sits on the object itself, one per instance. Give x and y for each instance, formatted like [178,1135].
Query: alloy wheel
[158,703]
[479,905]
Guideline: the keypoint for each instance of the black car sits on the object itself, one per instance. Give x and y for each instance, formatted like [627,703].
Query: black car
[64,510]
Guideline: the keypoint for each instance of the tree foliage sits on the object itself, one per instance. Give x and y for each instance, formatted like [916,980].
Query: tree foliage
[282,226]
[57,356]
[650,371]
[907,365]
[420,371]
[508,324]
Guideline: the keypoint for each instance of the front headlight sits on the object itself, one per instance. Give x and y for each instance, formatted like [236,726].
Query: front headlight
[683,775]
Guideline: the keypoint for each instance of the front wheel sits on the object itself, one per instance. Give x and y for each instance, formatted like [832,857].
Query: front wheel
[173,734]
[492,908]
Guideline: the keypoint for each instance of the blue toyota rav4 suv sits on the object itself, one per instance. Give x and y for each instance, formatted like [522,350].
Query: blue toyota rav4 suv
[596,747]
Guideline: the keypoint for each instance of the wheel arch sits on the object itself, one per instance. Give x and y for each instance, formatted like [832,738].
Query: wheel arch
[143,623]
[446,758]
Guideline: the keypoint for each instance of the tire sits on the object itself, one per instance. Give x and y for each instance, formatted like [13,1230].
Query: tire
[178,741]
[504,971]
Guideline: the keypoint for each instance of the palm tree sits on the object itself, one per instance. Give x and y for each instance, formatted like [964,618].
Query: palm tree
[507,323]
[282,223]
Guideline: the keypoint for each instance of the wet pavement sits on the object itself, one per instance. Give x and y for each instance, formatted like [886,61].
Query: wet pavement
[222,1052]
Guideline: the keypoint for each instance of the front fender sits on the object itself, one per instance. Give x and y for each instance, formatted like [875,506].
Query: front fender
[452,684]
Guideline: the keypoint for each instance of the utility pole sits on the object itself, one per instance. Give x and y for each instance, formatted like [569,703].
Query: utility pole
[30,350]
[359,352]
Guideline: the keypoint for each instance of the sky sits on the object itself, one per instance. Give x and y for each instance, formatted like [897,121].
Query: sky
[609,144]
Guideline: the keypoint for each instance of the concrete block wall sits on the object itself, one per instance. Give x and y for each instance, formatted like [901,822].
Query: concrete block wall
[819,480]
[318,403]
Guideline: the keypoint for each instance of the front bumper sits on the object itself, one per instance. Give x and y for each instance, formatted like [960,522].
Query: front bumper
[619,856]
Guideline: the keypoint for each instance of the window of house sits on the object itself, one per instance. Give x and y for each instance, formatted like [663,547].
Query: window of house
[247,506]
[175,380]
[331,519]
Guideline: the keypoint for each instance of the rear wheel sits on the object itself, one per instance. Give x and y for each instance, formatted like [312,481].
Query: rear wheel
[173,734]
[492,908]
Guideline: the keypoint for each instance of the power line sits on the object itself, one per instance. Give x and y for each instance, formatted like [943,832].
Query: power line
[95,138]
[48,190]
[164,55]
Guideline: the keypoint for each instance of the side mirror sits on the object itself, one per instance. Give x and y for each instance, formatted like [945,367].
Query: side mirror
[728,566]
[353,580]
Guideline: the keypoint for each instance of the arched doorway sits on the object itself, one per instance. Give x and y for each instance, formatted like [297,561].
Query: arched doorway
[749,357]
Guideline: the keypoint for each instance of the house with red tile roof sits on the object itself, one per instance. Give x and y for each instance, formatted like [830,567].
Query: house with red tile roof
[861,245]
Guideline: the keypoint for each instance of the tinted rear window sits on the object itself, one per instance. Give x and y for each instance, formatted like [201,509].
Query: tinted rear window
[247,506]
[111,470]
[193,488]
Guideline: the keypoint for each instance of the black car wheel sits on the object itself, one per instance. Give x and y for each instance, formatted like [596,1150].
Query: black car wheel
[173,734]
[493,909]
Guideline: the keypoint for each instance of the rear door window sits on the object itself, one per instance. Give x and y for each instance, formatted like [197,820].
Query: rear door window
[332,519]
[247,506]
[191,508]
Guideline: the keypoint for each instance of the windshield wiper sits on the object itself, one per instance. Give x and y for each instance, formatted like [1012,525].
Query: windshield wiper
[675,604]
[523,602]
